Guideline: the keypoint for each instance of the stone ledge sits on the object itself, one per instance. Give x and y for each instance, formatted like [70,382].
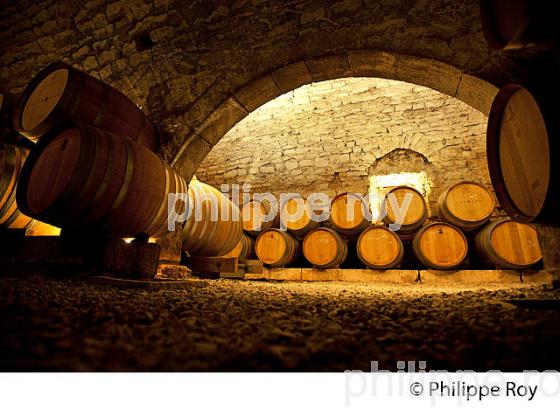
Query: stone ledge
[402,276]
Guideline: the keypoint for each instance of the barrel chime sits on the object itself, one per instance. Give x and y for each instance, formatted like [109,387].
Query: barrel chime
[92,168]
[523,123]
[464,208]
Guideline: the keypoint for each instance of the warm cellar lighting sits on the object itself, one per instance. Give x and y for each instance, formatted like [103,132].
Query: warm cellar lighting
[380,184]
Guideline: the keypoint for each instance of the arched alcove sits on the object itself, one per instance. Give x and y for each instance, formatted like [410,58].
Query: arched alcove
[428,73]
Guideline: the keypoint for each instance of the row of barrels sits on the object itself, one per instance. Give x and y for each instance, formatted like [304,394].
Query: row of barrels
[61,93]
[503,243]
[93,167]
[466,205]
[12,159]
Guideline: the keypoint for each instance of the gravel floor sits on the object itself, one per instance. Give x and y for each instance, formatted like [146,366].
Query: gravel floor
[67,324]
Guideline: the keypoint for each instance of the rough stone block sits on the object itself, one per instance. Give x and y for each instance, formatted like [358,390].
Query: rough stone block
[469,277]
[428,73]
[477,93]
[191,155]
[329,67]
[364,63]
[221,120]
[292,76]
[258,93]
[313,274]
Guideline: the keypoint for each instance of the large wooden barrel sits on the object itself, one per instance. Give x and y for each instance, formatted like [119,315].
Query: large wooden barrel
[254,213]
[82,178]
[440,246]
[38,228]
[12,159]
[301,225]
[277,248]
[512,24]
[380,248]
[416,213]
[522,149]
[467,205]
[348,215]
[324,248]
[508,244]
[60,92]
[214,226]
[244,248]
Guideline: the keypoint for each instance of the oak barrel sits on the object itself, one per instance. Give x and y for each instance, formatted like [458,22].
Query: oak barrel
[12,159]
[277,248]
[244,248]
[324,248]
[416,213]
[508,244]
[256,217]
[380,248]
[303,223]
[214,226]
[440,246]
[522,149]
[38,228]
[348,214]
[60,93]
[467,205]
[513,24]
[82,178]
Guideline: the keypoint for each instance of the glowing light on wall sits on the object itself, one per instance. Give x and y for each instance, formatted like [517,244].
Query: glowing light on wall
[381,184]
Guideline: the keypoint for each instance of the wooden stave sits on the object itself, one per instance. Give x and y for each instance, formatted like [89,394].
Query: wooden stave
[275,223]
[424,261]
[407,231]
[349,233]
[341,254]
[291,253]
[107,213]
[446,216]
[534,25]
[548,212]
[301,232]
[244,248]
[105,117]
[484,249]
[206,237]
[11,216]
[393,264]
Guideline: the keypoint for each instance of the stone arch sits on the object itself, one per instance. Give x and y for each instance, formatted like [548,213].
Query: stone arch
[434,74]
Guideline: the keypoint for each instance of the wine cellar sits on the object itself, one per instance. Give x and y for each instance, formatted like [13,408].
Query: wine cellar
[278,185]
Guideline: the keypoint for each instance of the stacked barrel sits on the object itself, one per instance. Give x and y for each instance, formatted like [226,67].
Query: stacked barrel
[92,167]
[460,234]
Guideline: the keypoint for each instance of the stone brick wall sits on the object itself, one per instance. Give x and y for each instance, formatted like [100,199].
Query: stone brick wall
[179,60]
[331,136]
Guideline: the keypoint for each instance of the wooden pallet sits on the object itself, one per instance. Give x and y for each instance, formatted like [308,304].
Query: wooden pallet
[222,267]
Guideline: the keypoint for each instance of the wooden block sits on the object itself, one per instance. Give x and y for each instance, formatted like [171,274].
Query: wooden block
[251,265]
[203,264]
[146,284]
[228,265]
[232,275]
[139,260]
